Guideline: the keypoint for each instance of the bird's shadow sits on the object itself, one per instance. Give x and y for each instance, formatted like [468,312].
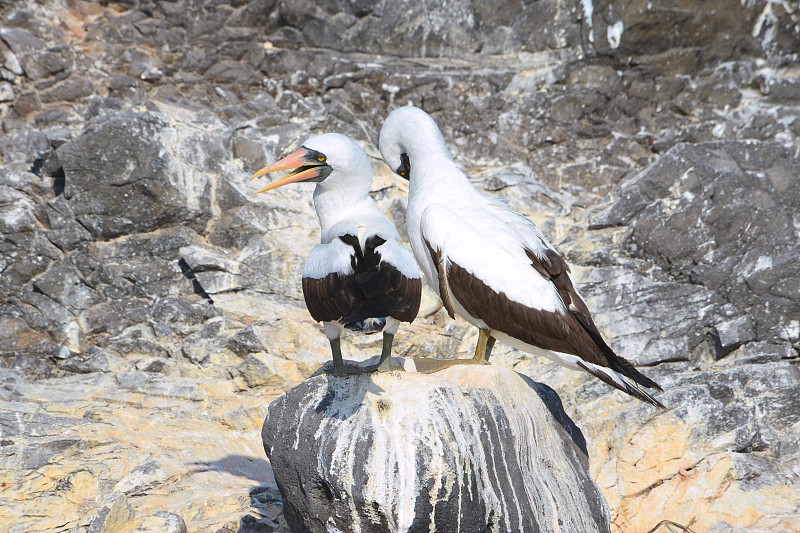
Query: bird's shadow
[265,498]
[344,394]
[246,466]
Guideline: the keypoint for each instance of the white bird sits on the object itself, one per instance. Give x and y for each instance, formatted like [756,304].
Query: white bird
[490,265]
[359,277]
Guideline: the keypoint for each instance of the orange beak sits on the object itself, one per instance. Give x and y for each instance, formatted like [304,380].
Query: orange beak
[305,165]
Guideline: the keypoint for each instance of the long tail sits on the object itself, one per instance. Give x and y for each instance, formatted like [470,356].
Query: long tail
[620,373]
[631,382]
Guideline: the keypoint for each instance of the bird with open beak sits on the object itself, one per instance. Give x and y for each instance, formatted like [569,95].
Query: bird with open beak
[359,277]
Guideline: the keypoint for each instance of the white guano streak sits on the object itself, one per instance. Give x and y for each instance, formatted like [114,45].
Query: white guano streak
[614,34]
[440,424]
[588,11]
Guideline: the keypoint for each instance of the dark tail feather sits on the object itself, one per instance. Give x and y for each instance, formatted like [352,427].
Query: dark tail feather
[615,362]
[624,367]
[624,385]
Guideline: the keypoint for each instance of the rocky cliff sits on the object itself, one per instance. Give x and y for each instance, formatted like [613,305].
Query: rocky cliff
[150,305]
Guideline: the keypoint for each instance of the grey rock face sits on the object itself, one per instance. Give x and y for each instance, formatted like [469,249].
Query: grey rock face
[636,305]
[429,28]
[120,180]
[721,215]
[722,29]
[468,449]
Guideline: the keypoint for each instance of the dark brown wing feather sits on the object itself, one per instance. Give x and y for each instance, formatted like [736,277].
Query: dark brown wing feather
[552,266]
[405,292]
[441,273]
[572,332]
[328,299]
[552,331]
[375,289]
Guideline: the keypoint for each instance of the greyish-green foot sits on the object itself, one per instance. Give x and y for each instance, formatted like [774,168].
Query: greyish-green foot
[385,363]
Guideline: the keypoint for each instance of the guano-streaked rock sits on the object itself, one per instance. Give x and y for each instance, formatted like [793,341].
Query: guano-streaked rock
[468,449]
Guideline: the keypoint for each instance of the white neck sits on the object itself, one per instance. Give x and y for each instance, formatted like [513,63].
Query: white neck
[334,204]
[423,139]
[431,162]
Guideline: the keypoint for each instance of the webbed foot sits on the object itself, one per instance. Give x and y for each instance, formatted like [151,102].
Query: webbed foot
[340,368]
[385,362]
[347,370]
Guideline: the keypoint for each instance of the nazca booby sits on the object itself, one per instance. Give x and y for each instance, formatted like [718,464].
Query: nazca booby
[359,277]
[490,265]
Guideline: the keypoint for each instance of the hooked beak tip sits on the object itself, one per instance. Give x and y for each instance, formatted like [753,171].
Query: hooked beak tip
[260,172]
[302,168]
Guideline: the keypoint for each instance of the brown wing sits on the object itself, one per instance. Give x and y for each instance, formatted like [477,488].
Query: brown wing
[553,267]
[548,330]
[374,289]
[441,273]
[404,291]
[571,332]
[386,290]
[330,298]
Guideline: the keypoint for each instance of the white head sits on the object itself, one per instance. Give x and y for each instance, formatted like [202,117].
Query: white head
[332,160]
[409,133]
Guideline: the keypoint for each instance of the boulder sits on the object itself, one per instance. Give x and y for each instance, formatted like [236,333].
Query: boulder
[465,449]
[136,172]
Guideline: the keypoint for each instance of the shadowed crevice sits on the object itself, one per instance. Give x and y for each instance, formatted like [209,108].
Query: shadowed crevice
[188,273]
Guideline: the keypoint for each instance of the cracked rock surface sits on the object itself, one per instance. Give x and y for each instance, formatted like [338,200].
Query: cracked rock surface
[150,304]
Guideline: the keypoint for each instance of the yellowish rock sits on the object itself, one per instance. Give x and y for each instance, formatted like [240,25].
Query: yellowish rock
[120,517]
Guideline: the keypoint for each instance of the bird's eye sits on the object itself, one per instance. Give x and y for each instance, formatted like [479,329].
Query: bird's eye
[404,170]
[321,158]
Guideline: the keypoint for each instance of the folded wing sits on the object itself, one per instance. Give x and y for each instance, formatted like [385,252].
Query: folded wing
[348,283]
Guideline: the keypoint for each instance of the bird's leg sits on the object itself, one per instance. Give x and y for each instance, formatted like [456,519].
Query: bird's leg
[484,348]
[489,345]
[339,368]
[336,351]
[385,363]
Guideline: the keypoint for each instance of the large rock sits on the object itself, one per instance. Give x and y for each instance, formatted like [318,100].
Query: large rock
[122,175]
[466,449]
[722,215]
